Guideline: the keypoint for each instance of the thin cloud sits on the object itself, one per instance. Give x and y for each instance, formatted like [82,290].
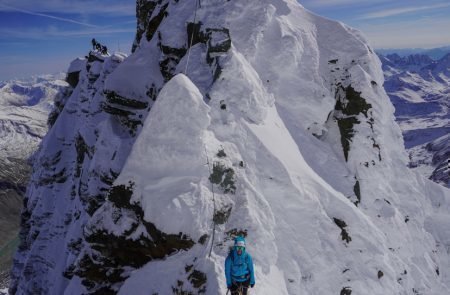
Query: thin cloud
[333,3]
[120,24]
[398,11]
[95,32]
[68,20]
[53,32]
[90,7]
[428,33]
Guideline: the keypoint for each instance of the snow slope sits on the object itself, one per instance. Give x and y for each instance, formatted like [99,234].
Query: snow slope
[419,89]
[273,125]
[24,109]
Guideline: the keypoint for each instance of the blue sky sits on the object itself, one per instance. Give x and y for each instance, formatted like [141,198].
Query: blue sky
[43,36]
[391,23]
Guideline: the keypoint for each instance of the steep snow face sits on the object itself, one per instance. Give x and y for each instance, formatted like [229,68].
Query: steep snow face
[420,97]
[65,187]
[440,148]
[253,118]
[24,108]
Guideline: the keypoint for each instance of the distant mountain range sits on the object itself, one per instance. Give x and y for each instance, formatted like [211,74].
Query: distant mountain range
[24,109]
[419,88]
[434,53]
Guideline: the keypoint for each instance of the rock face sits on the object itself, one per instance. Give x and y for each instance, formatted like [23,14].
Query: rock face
[24,108]
[440,148]
[251,118]
[419,88]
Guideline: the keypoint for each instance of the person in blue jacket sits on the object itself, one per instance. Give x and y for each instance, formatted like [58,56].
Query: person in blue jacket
[239,268]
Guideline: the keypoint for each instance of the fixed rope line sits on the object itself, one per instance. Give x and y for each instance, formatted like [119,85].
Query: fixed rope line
[192,36]
[214,204]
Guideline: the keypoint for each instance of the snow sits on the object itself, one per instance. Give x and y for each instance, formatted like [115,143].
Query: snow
[421,136]
[131,78]
[25,106]
[24,109]
[419,90]
[76,65]
[171,142]
[238,78]
[292,190]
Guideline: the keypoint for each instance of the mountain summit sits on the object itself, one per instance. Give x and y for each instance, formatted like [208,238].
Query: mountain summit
[253,118]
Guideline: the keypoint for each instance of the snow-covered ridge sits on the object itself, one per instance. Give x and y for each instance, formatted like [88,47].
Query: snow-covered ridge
[277,129]
[24,110]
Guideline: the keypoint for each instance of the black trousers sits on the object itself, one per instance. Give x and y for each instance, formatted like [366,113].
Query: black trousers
[237,286]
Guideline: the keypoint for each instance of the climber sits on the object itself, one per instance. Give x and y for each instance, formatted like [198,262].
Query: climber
[94,43]
[104,50]
[239,268]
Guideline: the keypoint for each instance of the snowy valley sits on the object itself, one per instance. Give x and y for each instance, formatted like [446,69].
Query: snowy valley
[419,88]
[25,106]
[253,118]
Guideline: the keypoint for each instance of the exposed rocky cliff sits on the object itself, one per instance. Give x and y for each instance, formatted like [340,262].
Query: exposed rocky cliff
[24,108]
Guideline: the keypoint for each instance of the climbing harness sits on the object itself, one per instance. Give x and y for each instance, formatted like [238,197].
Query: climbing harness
[240,290]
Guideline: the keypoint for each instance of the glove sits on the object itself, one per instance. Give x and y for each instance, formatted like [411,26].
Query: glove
[252,285]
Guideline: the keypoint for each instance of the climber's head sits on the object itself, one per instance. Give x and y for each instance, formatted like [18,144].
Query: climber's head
[239,245]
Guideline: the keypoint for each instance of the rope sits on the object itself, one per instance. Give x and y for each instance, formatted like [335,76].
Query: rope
[192,36]
[214,205]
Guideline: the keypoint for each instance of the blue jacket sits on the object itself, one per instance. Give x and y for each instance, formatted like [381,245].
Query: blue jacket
[239,268]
